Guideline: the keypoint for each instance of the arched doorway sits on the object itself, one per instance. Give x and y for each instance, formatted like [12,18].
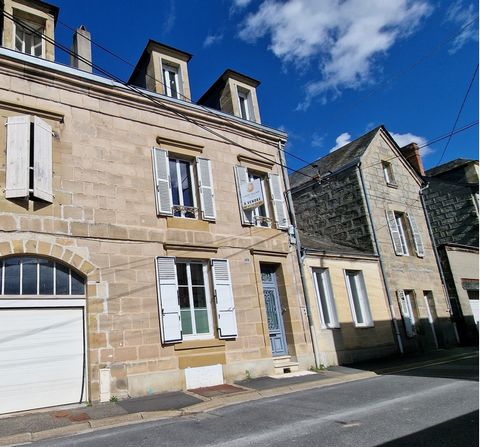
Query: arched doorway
[42,333]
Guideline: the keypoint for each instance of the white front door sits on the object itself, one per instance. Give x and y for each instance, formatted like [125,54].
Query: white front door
[41,357]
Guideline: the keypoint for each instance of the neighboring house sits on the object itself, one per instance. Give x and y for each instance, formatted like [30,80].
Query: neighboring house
[451,200]
[366,196]
[352,317]
[131,258]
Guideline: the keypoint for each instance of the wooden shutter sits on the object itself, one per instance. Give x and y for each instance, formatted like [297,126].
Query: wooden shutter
[18,156]
[42,160]
[161,173]
[405,311]
[167,298]
[205,184]
[417,237]
[227,323]
[241,176]
[394,232]
[278,201]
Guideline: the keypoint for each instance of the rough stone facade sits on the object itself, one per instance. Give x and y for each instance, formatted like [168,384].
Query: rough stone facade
[333,209]
[103,223]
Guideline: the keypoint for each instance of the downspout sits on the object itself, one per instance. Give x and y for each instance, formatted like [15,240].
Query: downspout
[293,220]
[382,268]
[437,259]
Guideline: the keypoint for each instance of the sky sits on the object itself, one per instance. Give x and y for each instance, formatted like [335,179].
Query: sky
[330,70]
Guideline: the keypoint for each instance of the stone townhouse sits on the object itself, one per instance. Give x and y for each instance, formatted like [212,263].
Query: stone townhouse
[451,200]
[366,195]
[144,241]
[351,317]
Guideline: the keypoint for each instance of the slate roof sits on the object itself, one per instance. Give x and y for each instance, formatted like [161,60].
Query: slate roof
[315,243]
[348,154]
[449,166]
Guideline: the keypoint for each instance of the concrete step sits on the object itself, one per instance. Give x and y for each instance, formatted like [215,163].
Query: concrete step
[284,365]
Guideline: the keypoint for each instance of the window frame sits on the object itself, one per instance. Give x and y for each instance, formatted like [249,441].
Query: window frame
[400,219]
[388,174]
[208,299]
[39,27]
[257,217]
[193,187]
[362,294]
[322,275]
[168,69]
[245,99]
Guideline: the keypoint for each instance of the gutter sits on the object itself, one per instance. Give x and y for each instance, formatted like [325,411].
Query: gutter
[382,267]
[293,220]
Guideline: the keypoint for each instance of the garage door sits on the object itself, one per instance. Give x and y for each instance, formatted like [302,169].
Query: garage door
[41,357]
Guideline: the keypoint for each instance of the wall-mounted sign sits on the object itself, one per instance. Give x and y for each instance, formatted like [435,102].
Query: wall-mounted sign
[251,194]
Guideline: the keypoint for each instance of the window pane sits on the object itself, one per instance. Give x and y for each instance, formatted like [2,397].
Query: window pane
[186,322]
[196,272]
[78,286]
[323,297]
[199,299]
[46,277]
[1,276]
[186,183]
[201,321]
[183,298]
[29,276]
[61,281]
[352,278]
[12,276]
[174,182]
[182,274]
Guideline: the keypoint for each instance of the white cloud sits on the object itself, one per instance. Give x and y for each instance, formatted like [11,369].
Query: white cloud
[403,139]
[341,141]
[462,15]
[343,37]
[317,140]
[212,39]
[241,3]
[170,20]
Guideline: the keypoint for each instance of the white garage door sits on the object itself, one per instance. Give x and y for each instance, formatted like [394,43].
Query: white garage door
[41,358]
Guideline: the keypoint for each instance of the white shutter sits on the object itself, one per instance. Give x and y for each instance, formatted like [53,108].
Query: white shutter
[205,184]
[394,232]
[417,237]
[405,310]
[18,156]
[42,160]
[227,323]
[161,172]
[167,293]
[278,201]
[241,176]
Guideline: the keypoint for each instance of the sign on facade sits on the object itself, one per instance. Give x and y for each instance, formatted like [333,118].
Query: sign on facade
[251,194]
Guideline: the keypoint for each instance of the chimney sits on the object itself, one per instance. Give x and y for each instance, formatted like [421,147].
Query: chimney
[82,50]
[412,153]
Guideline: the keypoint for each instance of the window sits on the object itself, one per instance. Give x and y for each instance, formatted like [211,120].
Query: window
[325,298]
[184,299]
[29,158]
[357,295]
[244,104]
[170,81]
[258,195]
[29,38]
[408,308]
[388,173]
[24,275]
[194,298]
[405,233]
[180,184]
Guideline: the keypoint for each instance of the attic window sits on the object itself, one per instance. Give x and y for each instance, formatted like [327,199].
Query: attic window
[29,38]
[171,81]
[245,104]
[388,173]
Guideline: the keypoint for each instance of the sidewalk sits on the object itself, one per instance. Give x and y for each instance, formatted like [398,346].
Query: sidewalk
[64,421]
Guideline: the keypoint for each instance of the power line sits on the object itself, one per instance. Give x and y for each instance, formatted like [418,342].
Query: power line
[458,114]
[140,92]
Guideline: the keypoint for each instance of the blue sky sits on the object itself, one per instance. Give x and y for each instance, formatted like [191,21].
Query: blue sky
[330,70]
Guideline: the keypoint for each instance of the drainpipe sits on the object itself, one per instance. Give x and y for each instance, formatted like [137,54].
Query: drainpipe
[437,259]
[293,220]
[382,268]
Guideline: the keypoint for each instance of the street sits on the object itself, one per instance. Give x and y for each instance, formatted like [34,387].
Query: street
[435,405]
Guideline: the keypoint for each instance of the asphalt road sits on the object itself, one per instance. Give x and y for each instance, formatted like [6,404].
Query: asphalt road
[428,406]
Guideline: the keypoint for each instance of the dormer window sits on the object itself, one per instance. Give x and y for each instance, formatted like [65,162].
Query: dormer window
[170,80]
[29,38]
[244,103]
